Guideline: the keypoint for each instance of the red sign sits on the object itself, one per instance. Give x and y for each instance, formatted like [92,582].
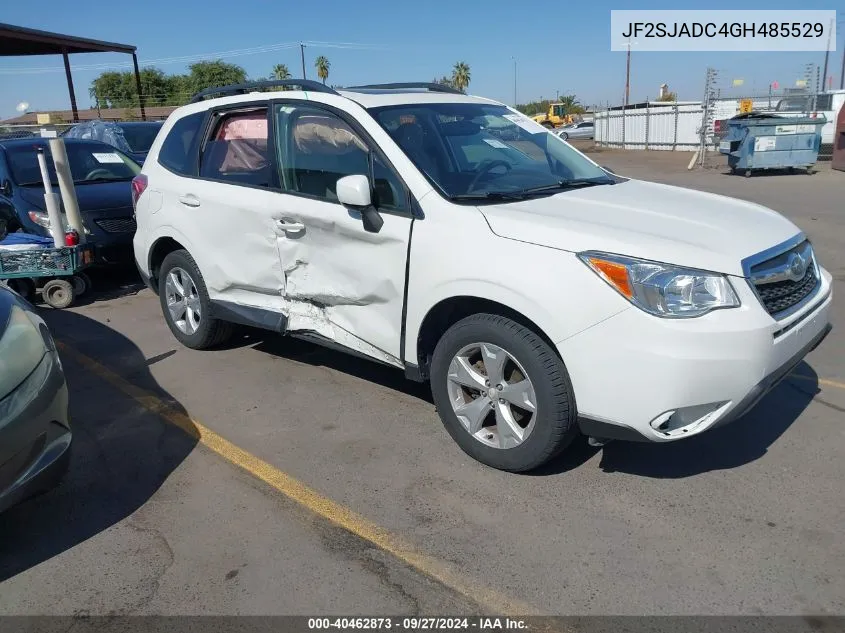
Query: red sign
[775,85]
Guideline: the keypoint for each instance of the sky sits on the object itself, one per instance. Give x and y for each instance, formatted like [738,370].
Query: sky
[565,49]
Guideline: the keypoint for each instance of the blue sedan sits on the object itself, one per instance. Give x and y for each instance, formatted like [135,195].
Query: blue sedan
[102,177]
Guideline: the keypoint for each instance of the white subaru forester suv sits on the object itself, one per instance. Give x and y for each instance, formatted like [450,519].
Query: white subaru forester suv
[454,238]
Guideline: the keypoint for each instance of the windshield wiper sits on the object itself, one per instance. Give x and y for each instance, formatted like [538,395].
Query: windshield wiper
[567,184]
[524,194]
[34,183]
[490,195]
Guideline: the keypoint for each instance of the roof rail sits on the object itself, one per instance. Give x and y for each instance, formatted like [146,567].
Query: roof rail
[431,87]
[251,86]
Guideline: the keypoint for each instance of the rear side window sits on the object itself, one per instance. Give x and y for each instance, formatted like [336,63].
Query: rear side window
[175,153]
[236,150]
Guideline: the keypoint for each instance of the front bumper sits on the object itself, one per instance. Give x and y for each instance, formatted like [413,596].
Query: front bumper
[35,434]
[639,377]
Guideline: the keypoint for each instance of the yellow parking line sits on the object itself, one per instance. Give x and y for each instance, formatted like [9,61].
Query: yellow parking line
[821,381]
[438,570]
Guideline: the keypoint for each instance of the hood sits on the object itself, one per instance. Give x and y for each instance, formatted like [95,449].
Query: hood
[646,220]
[94,196]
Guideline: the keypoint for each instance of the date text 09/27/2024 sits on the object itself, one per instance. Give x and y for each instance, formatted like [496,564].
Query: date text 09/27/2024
[417,623]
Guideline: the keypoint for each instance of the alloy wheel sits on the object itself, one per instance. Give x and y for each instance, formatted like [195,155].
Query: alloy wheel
[492,395]
[183,301]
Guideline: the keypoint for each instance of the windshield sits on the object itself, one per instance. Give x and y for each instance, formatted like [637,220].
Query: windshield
[89,163]
[475,150]
[140,137]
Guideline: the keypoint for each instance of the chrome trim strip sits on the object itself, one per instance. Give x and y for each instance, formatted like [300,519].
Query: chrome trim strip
[769,253]
[784,271]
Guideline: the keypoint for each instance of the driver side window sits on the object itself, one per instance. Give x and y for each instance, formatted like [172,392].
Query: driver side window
[316,148]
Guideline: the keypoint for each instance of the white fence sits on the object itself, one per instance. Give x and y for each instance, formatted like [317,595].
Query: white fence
[668,127]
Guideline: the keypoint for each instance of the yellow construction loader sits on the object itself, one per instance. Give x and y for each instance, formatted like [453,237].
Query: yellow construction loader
[555,117]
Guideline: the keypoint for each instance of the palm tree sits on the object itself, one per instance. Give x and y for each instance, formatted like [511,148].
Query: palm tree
[280,71]
[461,76]
[570,103]
[322,65]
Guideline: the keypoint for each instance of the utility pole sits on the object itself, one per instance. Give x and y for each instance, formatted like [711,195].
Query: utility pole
[302,54]
[628,74]
[842,72]
[514,82]
[826,55]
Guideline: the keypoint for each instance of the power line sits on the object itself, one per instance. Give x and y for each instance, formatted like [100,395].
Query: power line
[240,52]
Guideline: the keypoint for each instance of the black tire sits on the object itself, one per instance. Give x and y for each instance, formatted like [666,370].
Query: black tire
[58,293]
[24,286]
[564,136]
[556,423]
[81,283]
[210,332]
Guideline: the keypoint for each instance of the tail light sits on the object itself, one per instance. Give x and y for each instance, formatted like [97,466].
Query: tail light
[139,185]
[71,238]
[717,126]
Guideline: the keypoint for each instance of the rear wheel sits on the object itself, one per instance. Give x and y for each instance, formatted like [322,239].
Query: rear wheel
[23,286]
[185,303]
[502,393]
[81,283]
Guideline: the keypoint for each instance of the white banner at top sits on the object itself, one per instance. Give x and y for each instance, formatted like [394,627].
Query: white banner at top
[724,30]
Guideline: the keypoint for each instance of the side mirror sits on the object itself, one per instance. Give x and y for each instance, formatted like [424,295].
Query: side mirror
[354,192]
[6,187]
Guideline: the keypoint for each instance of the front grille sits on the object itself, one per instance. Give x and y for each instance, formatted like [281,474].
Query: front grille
[117,225]
[777,282]
[782,295]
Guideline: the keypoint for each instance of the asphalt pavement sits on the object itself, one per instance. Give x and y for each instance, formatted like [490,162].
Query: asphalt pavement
[158,518]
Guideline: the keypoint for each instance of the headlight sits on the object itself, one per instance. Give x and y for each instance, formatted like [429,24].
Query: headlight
[21,349]
[662,289]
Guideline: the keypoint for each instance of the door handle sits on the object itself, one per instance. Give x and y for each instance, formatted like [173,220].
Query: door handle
[189,200]
[290,226]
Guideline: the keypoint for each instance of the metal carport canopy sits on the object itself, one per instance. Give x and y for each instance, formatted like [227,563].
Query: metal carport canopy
[20,41]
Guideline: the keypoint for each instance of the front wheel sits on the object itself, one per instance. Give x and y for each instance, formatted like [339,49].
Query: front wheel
[564,136]
[502,393]
[185,303]
[58,293]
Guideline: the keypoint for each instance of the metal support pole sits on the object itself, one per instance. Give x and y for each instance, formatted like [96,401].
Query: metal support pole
[70,87]
[302,55]
[842,72]
[628,74]
[138,85]
[826,55]
[514,82]
[675,141]
[647,120]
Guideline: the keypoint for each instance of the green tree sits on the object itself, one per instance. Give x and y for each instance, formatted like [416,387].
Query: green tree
[461,76]
[571,105]
[443,81]
[322,64]
[669,96]
[212,74]
[120,90]
[280,71]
